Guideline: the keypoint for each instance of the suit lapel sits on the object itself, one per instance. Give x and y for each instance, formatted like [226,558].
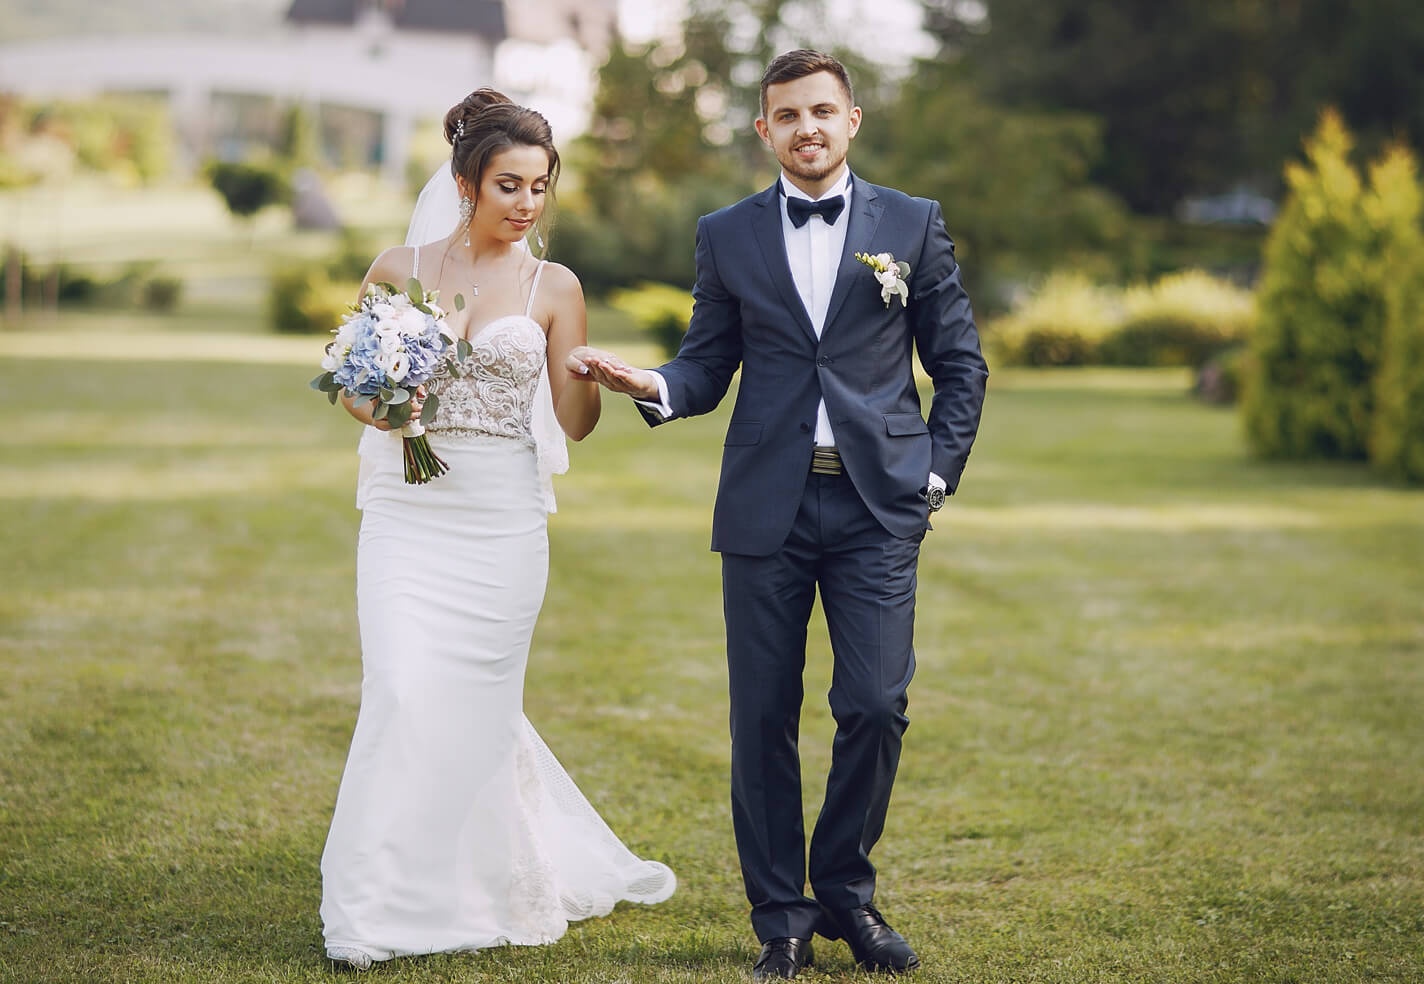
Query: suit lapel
[766,226]
[865,212]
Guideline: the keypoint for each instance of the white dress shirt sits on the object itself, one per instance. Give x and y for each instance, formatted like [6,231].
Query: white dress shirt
[814,252]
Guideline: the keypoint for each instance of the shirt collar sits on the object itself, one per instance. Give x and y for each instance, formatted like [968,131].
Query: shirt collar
[841,187]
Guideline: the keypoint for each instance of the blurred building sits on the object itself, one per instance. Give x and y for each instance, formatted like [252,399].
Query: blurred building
[366,72]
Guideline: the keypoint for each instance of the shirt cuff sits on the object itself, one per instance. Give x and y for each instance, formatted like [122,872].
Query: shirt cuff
[938,482]
[661,407]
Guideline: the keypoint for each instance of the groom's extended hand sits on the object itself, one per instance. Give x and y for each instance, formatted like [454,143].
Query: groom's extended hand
[597,365]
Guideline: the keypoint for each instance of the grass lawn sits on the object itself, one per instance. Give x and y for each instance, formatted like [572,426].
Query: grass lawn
[1166,726]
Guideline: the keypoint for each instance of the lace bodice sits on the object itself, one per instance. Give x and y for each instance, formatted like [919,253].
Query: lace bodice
[494,395]
[494,392]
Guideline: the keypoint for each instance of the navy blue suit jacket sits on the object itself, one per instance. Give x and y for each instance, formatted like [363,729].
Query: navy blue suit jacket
[747,314]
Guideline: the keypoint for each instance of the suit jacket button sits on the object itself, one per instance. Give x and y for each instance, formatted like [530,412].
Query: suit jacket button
[823,361]
[805,428]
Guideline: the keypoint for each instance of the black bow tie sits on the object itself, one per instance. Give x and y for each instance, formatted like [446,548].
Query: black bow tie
[799,209]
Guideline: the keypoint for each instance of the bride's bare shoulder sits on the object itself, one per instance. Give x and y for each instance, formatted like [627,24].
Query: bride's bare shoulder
[560,281]
[394,265]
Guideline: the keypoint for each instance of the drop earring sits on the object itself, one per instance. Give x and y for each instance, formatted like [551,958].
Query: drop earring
[467,211]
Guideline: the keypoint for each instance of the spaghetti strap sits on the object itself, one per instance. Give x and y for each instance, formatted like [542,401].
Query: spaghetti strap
[415,262]
[538,272]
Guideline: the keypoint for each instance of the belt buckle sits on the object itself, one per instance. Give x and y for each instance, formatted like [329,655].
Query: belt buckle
[825,461]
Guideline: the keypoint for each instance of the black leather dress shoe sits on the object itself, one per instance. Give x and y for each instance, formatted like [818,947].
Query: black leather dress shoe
[784,957]
[875,946]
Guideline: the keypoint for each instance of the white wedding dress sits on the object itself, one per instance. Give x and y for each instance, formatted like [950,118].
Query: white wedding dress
[455,828]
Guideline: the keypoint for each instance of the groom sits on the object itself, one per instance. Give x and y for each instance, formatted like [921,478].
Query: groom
[829,476]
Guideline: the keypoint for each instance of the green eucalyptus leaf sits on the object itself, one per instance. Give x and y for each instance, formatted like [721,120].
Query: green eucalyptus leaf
[331,395]
[459,302]
[904,268]
[464,349]
[397,397]
[380,412]
[428,411]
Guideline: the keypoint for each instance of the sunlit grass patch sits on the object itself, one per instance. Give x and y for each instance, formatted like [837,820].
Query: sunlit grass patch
[1164,724]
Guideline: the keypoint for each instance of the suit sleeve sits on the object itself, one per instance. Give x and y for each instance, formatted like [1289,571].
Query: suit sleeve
[948,345]
[711,352]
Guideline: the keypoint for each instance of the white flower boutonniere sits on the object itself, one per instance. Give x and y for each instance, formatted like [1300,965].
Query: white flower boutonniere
[891,273]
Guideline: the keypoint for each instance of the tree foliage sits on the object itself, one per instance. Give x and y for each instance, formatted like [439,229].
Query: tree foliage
[671,138]
[1014,185]
[1330,258]
[1397,435]
[1199,97]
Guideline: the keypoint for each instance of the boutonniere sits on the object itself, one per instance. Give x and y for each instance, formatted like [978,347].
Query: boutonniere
[891,273]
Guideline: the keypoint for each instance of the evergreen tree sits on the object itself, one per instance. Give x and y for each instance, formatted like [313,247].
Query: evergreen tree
[1308,388]
[1397,437]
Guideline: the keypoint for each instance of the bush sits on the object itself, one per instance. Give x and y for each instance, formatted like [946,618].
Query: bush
[659,309]
[162,293]
[63,285]
[247,187]
[1063,323]
[1182,320]
[305,300]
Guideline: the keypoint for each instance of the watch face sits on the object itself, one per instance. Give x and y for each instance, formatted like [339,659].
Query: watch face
[935,497]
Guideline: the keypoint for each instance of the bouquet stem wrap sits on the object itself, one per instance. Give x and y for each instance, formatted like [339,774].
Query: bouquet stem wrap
[421,463]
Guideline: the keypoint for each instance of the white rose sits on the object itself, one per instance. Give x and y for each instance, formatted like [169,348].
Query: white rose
[388,340]
[399,367]
[411,322]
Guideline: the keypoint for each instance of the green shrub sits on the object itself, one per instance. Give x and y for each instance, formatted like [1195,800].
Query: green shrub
[247,187]
[162,293]
[1309,389]
[1182,320]
[127,137]
[1397,433]
[305,300]
[1063,323]
[659,309]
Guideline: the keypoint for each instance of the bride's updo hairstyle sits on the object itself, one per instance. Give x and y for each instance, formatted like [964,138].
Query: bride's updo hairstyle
[486,122]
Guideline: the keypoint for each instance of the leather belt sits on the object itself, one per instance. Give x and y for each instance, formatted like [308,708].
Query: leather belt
[825,461]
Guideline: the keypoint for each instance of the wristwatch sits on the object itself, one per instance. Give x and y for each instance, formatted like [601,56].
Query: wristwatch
[934,496]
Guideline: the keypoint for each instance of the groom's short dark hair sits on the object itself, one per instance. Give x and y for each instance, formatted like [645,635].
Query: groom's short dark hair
[798,64]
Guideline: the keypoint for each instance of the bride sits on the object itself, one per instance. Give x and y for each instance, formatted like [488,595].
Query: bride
[455,828]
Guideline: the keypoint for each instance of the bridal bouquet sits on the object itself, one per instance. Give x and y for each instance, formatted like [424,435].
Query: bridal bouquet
[390,344]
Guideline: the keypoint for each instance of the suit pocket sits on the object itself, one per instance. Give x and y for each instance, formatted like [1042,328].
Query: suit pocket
[740,432]
[905,424]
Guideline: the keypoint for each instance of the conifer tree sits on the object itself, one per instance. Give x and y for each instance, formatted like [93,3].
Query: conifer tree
[1397,435]
[1309,382]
